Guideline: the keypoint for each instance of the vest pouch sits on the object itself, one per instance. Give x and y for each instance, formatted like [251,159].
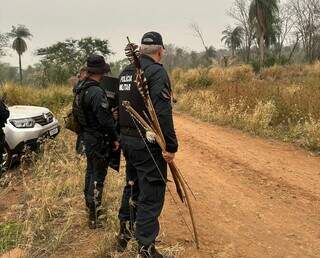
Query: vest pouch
[71,123]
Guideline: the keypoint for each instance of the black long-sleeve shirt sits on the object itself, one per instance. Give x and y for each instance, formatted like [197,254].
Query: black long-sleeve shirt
[160,92]
[97,111]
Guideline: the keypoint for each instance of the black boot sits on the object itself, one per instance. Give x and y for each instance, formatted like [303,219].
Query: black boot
[92,218]
[149,252]
[94,222]
[124,236]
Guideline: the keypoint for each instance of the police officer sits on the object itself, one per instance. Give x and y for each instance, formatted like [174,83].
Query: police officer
[91,109]
[4,115]
[146,172]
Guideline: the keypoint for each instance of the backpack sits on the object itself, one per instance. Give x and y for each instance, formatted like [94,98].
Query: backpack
[71,123]
[75,119]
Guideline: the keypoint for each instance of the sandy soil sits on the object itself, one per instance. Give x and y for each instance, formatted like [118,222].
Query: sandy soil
[255,197]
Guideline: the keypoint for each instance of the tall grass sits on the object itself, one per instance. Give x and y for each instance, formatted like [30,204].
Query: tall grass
[282,102]
[53,97]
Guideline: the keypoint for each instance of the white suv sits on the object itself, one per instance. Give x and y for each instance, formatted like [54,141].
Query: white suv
[27,126]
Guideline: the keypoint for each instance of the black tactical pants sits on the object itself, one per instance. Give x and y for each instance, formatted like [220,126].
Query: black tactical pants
[147,191]
[94,180]
[97,152]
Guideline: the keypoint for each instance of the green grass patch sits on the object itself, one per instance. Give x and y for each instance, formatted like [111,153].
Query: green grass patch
[10,235]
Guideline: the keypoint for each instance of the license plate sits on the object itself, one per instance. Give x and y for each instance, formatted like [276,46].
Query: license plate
[53,131]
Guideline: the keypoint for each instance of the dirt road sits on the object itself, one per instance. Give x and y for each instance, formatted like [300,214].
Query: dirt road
[255,197]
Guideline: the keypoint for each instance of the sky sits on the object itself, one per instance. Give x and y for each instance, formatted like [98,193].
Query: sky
[56,20]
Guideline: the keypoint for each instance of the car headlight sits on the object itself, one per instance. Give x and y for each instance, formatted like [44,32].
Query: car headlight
[23,123]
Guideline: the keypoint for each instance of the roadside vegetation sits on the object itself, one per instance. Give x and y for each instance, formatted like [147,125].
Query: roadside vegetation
[281,102]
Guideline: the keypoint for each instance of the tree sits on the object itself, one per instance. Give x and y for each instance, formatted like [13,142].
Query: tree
[284,27]
[8,73]
[233,38]
[89,46]
[64,59]
[118,66]
[240,12]
[195,28]
[210,51]
[307,24]
[3,44]
[264,16]
[19,34]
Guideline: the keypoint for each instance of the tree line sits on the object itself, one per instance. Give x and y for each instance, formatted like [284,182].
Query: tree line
[270,29]
[264,33]
[64,59]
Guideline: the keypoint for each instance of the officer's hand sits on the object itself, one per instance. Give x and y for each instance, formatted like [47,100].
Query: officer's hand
[116,146]
[168,157]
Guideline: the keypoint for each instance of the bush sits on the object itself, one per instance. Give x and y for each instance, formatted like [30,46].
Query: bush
[260,121]
[311,137]
[256,67]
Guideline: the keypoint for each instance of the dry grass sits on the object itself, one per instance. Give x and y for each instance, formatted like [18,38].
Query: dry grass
[54,216]
[282,102]
[53,219]
[54,97]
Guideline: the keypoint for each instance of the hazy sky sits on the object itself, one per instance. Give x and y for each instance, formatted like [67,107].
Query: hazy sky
[56,20]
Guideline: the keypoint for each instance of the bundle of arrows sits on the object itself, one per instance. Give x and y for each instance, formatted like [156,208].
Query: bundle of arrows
[153,130]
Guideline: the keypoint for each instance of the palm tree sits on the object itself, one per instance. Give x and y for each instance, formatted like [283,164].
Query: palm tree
[233,38]
[264,16]
[19,34]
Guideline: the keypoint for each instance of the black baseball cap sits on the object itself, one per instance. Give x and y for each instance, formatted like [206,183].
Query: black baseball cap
[96,64]
[152,38]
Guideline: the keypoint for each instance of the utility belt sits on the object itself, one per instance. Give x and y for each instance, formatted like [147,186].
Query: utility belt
[129,131]
[95,132]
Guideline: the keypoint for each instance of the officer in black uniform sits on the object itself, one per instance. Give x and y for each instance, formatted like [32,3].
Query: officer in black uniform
[145,175]
[91,109]
[4,115]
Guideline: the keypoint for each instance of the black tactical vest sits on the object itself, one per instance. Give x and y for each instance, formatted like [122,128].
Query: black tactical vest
[128,92]
[78,109]
[110,85]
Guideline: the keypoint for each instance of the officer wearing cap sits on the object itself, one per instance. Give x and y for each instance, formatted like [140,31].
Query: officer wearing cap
[146,172]
[91,110]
